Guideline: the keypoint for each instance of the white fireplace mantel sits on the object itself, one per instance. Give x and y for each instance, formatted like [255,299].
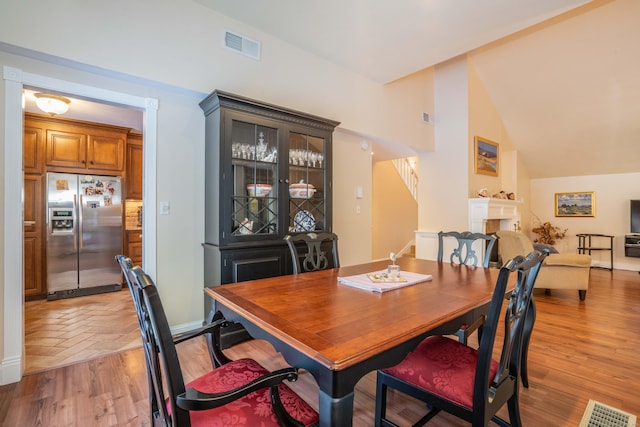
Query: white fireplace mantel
[480,211]
[486,208]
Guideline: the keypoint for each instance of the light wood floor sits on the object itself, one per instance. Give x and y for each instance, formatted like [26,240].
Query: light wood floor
[579,351]
[61,332]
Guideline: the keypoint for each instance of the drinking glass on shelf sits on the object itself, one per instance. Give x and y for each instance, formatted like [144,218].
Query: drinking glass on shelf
[302,157]
[261,150]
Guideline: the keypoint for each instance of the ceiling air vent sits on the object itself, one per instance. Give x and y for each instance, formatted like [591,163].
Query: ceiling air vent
[427,118]
[241,44]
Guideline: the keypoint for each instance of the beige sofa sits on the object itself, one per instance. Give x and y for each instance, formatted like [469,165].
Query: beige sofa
[559,271]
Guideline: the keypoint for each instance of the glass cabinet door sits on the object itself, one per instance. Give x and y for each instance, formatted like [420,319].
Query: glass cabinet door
[254,162]
[307,182]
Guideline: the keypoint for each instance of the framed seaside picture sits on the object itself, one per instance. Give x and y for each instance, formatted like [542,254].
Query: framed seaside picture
[576,204]
[486,156]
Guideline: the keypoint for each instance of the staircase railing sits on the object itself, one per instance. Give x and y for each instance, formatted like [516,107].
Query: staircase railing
[408,175]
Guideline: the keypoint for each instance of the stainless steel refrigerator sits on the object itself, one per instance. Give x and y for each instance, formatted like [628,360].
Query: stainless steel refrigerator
[84,234]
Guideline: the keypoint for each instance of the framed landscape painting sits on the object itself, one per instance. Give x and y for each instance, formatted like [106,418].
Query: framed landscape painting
[576,204]
[486,156]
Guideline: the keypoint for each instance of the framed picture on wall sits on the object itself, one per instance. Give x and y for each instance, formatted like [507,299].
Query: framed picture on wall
[576,204]
[486,156]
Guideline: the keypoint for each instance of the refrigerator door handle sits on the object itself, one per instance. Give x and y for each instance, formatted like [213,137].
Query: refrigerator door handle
[75,210]
[80,228]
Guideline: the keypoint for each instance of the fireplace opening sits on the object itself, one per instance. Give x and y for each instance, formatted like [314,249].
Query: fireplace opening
[490,228]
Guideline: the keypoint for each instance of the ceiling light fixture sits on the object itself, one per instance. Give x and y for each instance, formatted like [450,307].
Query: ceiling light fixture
[52,104]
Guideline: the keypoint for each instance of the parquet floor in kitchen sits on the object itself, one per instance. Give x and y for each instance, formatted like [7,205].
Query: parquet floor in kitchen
[66,331]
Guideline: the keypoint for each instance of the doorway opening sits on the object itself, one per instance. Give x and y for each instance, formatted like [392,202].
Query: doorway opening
[83,326]
[12,365]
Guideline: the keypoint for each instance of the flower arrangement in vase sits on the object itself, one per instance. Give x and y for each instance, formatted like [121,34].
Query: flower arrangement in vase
[547,233]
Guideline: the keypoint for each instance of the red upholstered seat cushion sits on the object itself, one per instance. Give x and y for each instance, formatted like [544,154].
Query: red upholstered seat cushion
[443,367]
[253,410]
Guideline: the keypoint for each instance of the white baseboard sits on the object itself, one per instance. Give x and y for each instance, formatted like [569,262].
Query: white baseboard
[10,371]
[617,265]
[186,327]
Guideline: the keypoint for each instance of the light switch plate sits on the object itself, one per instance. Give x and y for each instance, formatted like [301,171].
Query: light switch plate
[165,208]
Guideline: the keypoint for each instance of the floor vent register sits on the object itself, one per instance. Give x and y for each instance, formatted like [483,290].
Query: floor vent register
[600,415]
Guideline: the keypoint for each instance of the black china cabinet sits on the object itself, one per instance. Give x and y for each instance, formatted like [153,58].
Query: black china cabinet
[267,174]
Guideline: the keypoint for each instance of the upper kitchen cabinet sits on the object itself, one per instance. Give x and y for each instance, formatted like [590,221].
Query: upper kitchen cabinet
[268,173]
[33,148]
[134,166]
[80,147]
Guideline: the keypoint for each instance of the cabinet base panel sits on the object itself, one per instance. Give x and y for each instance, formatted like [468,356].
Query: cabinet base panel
[80,292]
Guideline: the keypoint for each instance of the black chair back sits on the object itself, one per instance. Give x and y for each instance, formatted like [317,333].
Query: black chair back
[313,251]
[464,253]
[128,270]
[160,351]
[126,265]
[492,393]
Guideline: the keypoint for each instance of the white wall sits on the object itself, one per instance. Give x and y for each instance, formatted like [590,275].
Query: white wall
[485,121]
[180,43]
[395,211]
[352,217]
[444,179]
[612,194]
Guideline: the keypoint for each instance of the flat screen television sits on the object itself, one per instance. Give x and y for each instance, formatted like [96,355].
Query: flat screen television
[635,216]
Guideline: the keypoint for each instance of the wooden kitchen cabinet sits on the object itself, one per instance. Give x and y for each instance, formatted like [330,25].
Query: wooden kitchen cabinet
[134,246]
[98,151]
[33,149]
[81,147]
[34,235]
[134,162]
[52,144]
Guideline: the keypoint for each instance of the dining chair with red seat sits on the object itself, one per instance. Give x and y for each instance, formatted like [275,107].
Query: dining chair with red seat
[236,393]
[463,381]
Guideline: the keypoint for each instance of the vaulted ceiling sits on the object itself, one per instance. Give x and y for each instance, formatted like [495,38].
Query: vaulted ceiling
[564,75]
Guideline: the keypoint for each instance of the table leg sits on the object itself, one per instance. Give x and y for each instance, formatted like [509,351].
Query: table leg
[336,412]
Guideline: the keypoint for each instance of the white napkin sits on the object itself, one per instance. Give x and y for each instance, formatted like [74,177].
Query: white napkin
[363,281]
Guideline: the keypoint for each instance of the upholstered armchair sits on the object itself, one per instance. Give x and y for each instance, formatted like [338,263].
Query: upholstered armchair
[559,271]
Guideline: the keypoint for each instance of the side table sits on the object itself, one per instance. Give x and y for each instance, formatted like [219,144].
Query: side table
[585,246]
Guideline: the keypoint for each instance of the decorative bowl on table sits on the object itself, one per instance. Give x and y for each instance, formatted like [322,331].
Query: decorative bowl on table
[301,190]
[258,190]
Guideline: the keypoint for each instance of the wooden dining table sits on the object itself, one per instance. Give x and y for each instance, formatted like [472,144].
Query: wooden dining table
[340,333]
